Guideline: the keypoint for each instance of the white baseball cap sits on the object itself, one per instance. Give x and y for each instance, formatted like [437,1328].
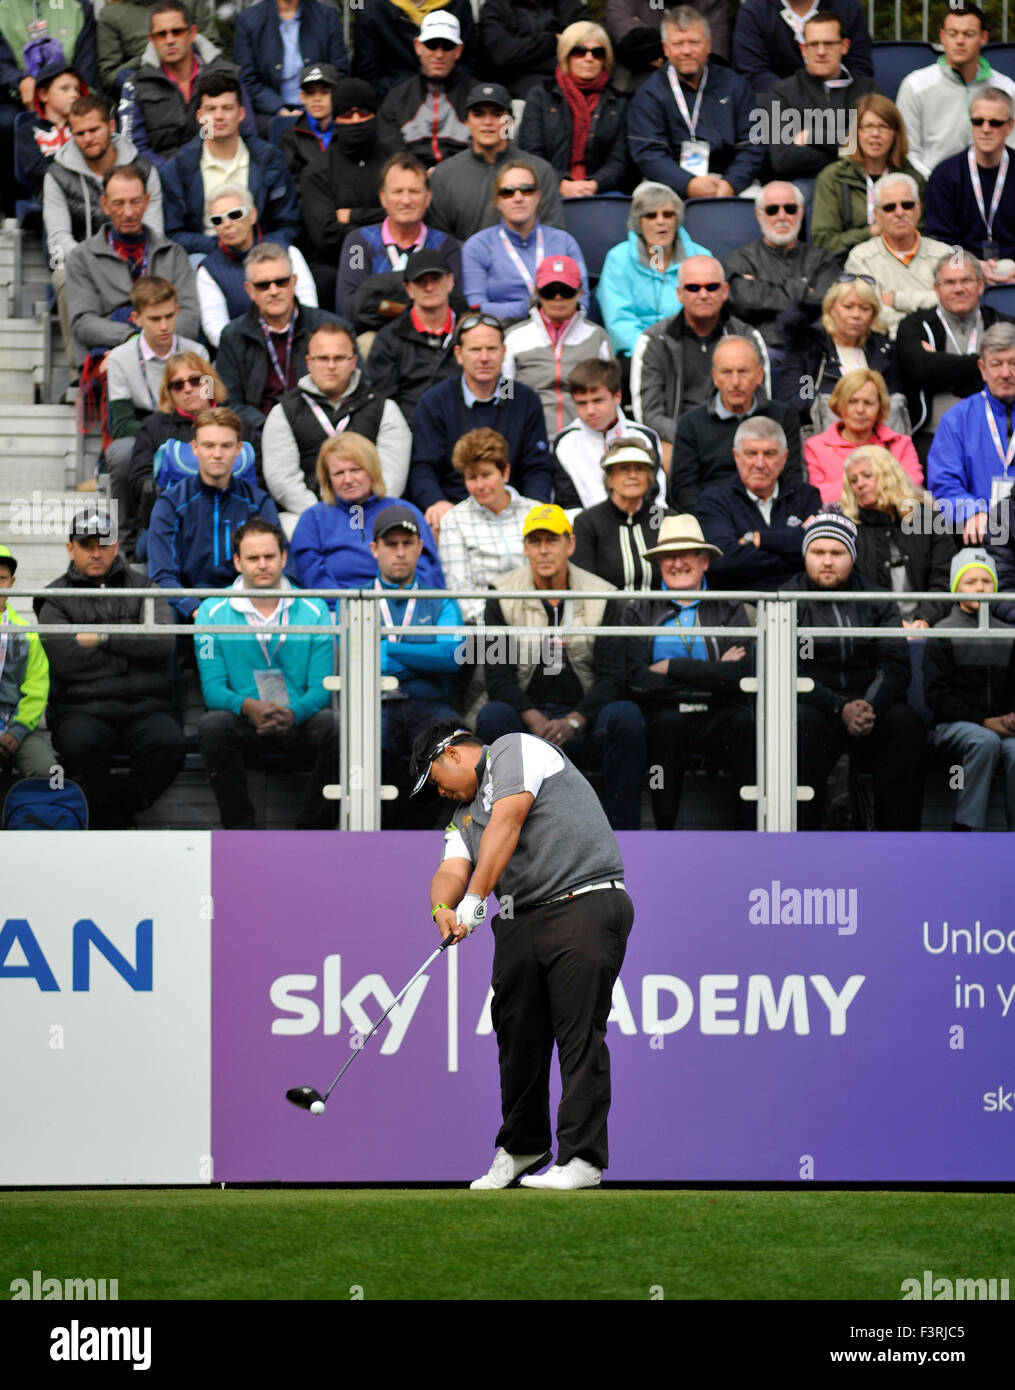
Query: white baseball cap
[438,24]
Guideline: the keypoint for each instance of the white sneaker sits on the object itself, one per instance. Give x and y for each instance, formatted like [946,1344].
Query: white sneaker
[506,1169]
[573,1175]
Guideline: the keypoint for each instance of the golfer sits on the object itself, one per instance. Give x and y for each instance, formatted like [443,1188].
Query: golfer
[530,827]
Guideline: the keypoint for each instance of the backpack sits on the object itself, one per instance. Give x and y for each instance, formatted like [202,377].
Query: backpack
[41,49]
[32,804]
[175,460]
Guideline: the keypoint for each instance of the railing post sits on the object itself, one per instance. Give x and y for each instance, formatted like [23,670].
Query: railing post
[363,783]
[777,711]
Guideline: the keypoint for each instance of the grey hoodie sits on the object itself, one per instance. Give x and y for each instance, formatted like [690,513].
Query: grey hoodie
[56,209]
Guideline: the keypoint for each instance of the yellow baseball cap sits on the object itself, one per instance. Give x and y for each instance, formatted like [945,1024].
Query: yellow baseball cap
[547,517]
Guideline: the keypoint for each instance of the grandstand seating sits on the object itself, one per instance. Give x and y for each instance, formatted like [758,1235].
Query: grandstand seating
[721,224]
[597,224]
[894,60]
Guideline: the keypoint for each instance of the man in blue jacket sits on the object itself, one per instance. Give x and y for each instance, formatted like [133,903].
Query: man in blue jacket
[969,462]
[266,690]
[190,535]
[274,41]
[689,126]
[423,665]
[756,519]
[220,156]
[480,397]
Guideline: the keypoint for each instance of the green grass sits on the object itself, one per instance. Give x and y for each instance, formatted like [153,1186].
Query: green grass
[525,1245]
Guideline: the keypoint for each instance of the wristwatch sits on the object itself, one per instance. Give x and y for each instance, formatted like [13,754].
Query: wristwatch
[576,724]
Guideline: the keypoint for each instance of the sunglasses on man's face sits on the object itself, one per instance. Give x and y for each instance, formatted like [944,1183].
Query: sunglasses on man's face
[771,209]
[233,215]
[907,205]
[445,45]
[169,33]
[557,292]
[580,51]
[710,288]
[349,112]
[182,382]
[280,282]
[509,191]
[992,121]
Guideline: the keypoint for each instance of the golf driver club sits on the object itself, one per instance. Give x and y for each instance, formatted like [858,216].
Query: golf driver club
[306,1097]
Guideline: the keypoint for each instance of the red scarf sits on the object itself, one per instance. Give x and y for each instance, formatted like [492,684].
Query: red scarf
[582,98]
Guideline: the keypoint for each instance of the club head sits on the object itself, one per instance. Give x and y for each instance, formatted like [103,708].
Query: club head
[303,1096]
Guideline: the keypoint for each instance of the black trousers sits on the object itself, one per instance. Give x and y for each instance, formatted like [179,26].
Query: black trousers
[228,739]
[157,748]
[895,752]
[725,736]
[554,969]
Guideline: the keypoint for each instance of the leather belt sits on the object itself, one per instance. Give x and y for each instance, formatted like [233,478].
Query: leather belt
[575,893]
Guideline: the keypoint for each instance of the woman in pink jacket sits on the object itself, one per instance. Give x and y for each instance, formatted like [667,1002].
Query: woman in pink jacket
[861,403]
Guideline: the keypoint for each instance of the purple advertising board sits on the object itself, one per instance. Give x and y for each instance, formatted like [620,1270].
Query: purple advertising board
[834,1007]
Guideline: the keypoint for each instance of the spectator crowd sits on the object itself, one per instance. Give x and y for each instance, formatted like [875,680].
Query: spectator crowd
[345,320]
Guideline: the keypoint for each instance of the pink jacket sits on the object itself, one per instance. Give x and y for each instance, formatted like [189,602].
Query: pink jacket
[825,455]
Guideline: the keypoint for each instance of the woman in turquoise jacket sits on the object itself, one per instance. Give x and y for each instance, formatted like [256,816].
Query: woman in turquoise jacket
[638,286]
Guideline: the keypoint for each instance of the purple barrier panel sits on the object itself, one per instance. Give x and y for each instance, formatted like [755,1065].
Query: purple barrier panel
[791,1006]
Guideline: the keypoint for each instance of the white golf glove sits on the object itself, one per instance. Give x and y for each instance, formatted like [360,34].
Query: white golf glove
[471,911]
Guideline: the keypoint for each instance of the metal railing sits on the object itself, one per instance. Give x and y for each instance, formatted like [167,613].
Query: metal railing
[776,682]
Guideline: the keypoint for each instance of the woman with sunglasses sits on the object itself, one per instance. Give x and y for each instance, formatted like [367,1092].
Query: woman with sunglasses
[499,263]
[850,334]
[638,286]
[543,351]
[860,404]
[577,124]
[190,384]
[842,215]
[220,275]
[518,39]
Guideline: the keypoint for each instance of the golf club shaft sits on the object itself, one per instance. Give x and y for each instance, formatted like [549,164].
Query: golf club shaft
[448,940]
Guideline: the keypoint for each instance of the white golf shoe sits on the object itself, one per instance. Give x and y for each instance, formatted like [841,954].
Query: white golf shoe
[572,1176]
[506,1169]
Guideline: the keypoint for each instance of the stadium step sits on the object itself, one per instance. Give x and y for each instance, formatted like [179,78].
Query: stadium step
[24,272]
[22,360]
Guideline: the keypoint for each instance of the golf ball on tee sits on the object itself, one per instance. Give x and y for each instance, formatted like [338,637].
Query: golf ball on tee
[317,1108]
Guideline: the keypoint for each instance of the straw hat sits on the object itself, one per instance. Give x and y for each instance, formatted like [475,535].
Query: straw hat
[680,533]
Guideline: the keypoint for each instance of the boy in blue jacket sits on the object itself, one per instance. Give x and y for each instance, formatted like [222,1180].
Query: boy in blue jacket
[190,534]
[266,689]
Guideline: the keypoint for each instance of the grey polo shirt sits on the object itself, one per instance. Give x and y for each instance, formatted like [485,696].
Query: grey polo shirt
[566,841]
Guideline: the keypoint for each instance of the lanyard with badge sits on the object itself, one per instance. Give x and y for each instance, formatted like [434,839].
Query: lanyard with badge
[517,261]
[870,200]
[283,377]
[990,248]
[143,364]
[387,620]
[329,429]
[693,153]
[954,341]
[1000,485]
[271,682]
[400,259]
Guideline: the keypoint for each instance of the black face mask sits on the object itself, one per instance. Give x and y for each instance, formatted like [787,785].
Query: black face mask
[356,141]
